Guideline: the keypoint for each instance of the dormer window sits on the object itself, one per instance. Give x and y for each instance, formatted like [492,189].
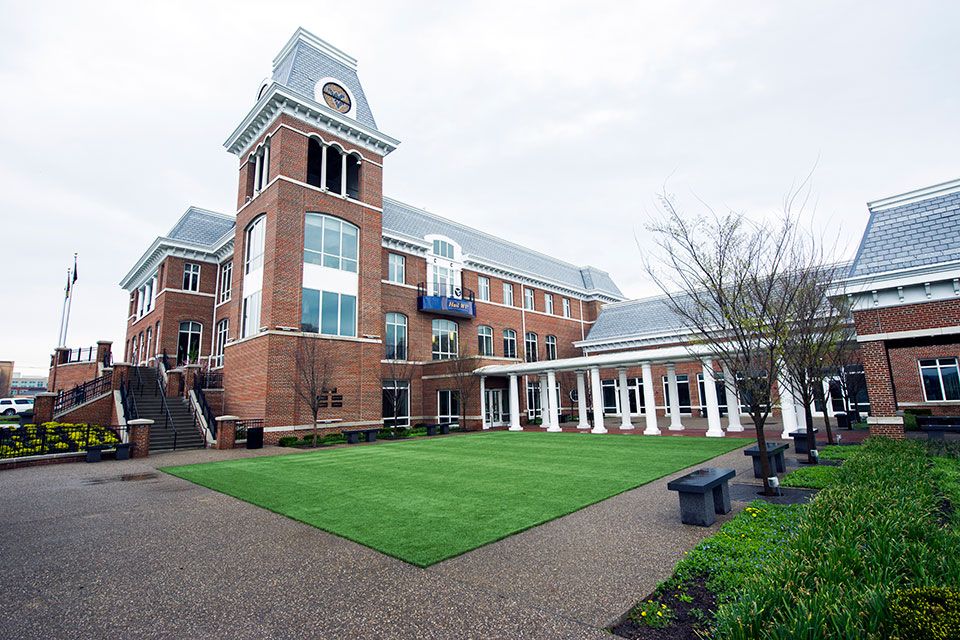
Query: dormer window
[443,249]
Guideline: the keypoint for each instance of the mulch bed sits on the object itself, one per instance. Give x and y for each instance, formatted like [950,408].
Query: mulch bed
[689,617]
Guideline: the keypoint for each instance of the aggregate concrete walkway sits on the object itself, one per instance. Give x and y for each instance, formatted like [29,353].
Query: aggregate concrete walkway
[120,550]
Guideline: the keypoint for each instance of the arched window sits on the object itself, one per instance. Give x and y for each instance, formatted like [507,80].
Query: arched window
[254,242]
[396,336]
[485,339]
[509,343]
[188,342]
[353,176]
[445,340]
[149,343]
[223,328]
[530,347]
[551,347]
[254,238]
[261,167]
[334,179]
[315,163]
[330,242]
[329,304]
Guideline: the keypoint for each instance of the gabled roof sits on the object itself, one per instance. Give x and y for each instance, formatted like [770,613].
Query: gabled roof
[915,229]
[202,227]
[635,318]
[409,222]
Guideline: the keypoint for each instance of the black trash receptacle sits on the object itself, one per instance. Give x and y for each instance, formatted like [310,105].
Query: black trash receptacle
[843,421]
[254,437]
[26,417]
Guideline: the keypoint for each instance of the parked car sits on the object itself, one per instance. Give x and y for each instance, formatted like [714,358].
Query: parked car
[12,406]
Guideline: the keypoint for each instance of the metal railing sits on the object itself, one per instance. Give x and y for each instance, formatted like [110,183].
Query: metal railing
[38,440]
[243,425]
[83,354]
[210,379]
[165,410]
[447,290]
[204,407]
[81,393]
[128,401]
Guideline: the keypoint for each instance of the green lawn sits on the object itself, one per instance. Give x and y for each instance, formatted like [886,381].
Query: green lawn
[427,500]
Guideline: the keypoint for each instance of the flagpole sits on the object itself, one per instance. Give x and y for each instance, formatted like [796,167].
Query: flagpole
[63,310]
[73,285]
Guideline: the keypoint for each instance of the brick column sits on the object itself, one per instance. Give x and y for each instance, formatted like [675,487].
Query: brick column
[174,376]
[121,371]
[226,431]
[140,437]
[103,349]
[43,407]
[190,373]
[883,418]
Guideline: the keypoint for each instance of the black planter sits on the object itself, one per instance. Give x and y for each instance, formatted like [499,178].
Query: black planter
[432,429]
[445,428]
[95,454]
[123,451]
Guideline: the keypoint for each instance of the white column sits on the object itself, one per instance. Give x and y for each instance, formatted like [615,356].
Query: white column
[788,410]
[714,428]
[733,401]
[649,402]
[483,402]
[582,423]
[674,390]
[801,413]
[514,404]
[323,166]
[625,424]
[256,174]
[597,390]
[343,174]
[544,403]
[554,412]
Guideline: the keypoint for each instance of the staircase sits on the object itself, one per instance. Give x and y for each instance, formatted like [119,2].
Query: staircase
[177,432]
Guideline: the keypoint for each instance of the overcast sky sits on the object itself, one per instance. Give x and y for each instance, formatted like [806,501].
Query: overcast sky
[552,125]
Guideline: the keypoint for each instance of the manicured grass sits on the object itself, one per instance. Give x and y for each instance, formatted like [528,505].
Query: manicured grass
[815,477]
[427,500]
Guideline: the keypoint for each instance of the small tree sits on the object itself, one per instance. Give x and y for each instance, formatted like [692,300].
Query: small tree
[311,380]
[465,383]
[394,398]
[847,364]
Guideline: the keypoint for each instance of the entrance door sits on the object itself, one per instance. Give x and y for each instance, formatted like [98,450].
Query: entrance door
[497,413]
[188,343]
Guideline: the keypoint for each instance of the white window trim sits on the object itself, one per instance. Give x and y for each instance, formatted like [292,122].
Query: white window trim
[939,368]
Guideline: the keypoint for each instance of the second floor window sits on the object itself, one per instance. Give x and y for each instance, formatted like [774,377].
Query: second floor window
[509,343]
[329,312]
[566,308]
[226,280]
[485,341]
[941,379]
[548,303]
[530,347]
[396,268]
[483,288]
[446,340]
[551,343]
[255,237]
[508,294]
[528,300]
[330,242]
[396,342]
[443,249]
[191,277]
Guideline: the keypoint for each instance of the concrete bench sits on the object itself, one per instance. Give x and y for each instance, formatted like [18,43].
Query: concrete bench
[936,426]
[703,494]
[774,454]
[353,435]
[442,428]
[800,440]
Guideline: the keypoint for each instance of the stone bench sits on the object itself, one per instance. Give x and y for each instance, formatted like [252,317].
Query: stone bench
[800,440]
[442,428]
[353,435]
[703,494]
[936,426]
[774,454]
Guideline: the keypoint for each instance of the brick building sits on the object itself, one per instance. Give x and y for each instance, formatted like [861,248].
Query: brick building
[401,302]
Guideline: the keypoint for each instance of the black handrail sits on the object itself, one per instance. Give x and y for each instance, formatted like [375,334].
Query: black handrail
[167,418]
[445,291]
[204,406]
[89,390]
[128,400]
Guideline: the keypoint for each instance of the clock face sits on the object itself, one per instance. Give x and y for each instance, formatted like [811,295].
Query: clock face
[336,97]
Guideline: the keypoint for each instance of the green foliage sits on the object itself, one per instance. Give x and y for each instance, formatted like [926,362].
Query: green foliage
[925,613]
[944,448]
[333,438]
[652,614]
[287,441]
[875,530]
[838,452]
[53,437]
[811,477]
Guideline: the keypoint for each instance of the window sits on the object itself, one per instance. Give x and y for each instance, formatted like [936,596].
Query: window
[328,312]
[683,392]
[330,242]
[254,241]
[721,388]
[509,343]
[396,403]
[226,281]
[443,249]
[188,343]
[325,168]
[485,340]
[396,341]
[941,379]
[528,300]
[508,294]
[396,268]
[261,167]
[353,175]
[551,347]
[315,163]
[191,278]
[445,340]
[146,355]
[254,238]
[251,314]
[530,347]
[566,307]
[220,342]
[448,406]
[483,284]
[611,395]
[548,303]
[334,180]
[534,410]
[443,281]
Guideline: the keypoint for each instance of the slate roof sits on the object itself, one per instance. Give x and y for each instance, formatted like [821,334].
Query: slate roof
[633,318]
[403,220]
[200,226]
[913,234]
[304,65]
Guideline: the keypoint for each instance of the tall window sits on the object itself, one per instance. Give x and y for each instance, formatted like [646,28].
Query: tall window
[330,242]
[253,277]
[220,342]
[548,303]
[188,343]
[353,176]
[485,340]
[396,268]
[149,343]
[508,294]
[191,277]
[328,312]
[528,300]
[261,167]
[226,280]
[396,342]
[509,343]
[941,379]
[566,307]
[551,347]
[448,406]
[483,284]
[254,242]
[315,163]
[530,347]
[333,181]
[443,280]
[443,249]
[445,340]
[396,403]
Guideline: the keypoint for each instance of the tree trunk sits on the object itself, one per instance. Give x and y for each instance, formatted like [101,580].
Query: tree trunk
[825,398]
[764,459]
[811,436]
[315,431]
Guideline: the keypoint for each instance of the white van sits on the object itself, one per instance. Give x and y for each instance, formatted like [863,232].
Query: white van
[12,406]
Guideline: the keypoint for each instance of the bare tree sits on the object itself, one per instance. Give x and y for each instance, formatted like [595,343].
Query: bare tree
[464,382]
[396,397]
[726,278]
[312,370]
[847,364]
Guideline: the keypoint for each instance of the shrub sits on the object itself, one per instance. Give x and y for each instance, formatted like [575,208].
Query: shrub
[838,452]
[925,613]
[287,441]
[812,477]
[944,448]
[333,438]
[307,441]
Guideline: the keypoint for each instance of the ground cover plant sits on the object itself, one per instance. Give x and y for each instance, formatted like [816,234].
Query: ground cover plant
[427,499]
[812,477]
